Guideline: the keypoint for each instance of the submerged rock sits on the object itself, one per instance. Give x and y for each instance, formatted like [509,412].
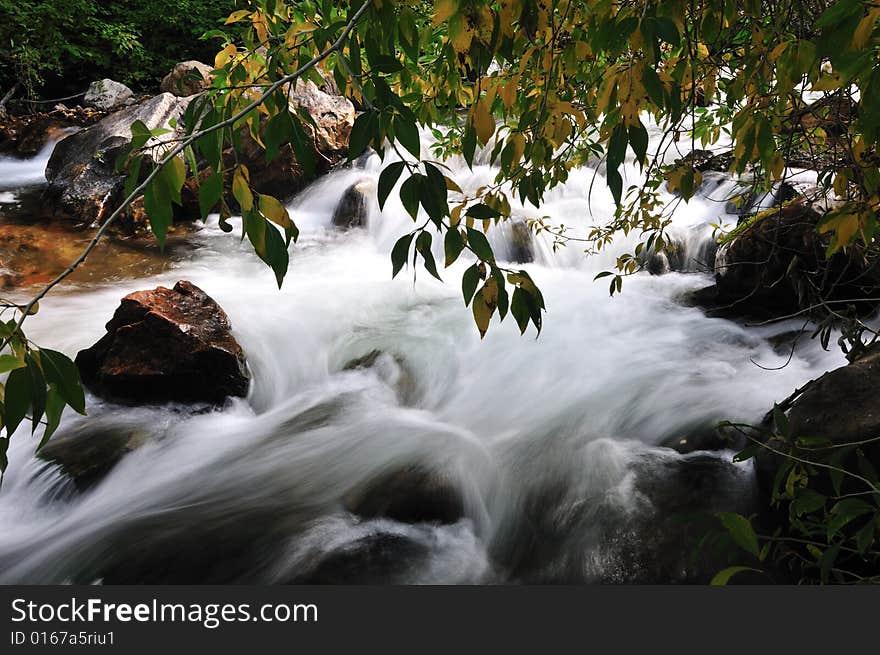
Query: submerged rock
[410,495]
[83,183]
[187,78]
[377,558]
[391,369]
[89,451]
[107,94]
[351,211]
[166,345]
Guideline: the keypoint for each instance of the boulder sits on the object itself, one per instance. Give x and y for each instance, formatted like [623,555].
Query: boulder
[842,405]
[187,78]
[351,211]
[284,175]
[410,495]
[775,265]
[107,94]
[166,345]
[83,184]
[333,115]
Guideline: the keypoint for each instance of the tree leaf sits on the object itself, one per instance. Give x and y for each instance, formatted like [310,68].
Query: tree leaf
[469,281]
[741,531]
[480,245]
[387,179]
[453,244]
[400,254]
[64,374]
[407,133]
[723,577]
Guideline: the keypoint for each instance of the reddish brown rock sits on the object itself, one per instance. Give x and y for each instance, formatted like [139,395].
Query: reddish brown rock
[166,345]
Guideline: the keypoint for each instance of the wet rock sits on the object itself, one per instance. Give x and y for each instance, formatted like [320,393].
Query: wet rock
[522,248]
[107,94]
[392,370]
[89,451]
[410,495]
[187,78]
[377,558]
[776,265]
[351,211]
[284,175]
[25,136]
[83,185]
[166,345]
[706,160]
[704,437]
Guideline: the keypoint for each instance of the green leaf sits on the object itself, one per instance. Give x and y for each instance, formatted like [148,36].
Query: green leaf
[480,245]
[408,134]
[17,399]
[54,409]
[469,281]
[844,512]
[807,501]
[387,179]
[741,531]
[520,309]
[158,207]
[482,212]
[723,577]
[423,247]
[362,132]
[10,363]
[400,253]
[453,244]
[434,194]
[410,191]
[64,374]
[638,139]
[210,192]
[38,391]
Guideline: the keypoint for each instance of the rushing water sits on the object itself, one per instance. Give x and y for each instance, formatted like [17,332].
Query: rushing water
[552,442]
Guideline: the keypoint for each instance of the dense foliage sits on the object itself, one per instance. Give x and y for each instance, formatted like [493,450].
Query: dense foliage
[56,47]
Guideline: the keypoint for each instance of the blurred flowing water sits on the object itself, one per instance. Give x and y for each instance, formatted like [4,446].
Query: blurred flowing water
[552,442]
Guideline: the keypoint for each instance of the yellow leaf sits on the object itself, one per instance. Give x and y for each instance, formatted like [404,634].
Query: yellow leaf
[224,56]
[865,28]
[519,146]
[443,9]
[845,226]
[241,189]
[272,209]
[483,122]
[508,91]
[236,16]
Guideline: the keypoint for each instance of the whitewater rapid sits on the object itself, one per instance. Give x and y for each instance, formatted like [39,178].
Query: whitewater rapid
[552,441]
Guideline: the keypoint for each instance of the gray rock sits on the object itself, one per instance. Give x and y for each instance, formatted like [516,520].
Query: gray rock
[352,211]
[83,184]
[107,94]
